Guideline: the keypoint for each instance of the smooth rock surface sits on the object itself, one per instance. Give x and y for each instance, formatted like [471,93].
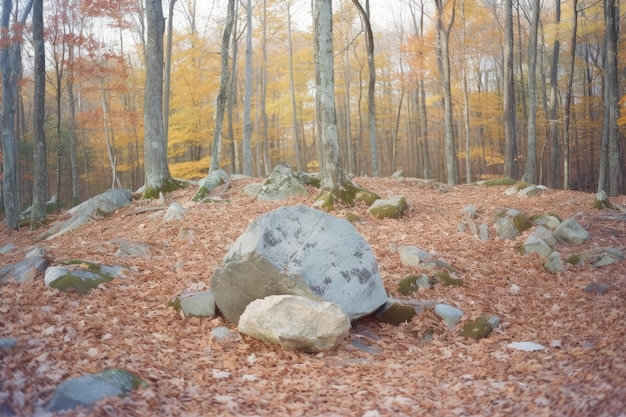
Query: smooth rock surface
[572,233]
[451,315]
[295,322]
[24,271]
[88,389]
[101,205]
[198,304]
[412,255]
[281,184]
[300,251]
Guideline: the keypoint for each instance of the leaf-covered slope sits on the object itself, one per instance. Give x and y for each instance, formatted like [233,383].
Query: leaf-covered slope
[126,323]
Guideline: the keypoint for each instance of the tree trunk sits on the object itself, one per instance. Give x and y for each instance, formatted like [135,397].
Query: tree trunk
[222,96]
[232,96]
[40,185]
[332,174]
[568,101]
[347,80]
[247,104]
[371,87]
[157,175]
[510,115]
[72,129]
[11,69]
[292,88]
[168,72]
[466,111]
[443,38]
[553,166]
[264,121]
[610,141]
[530,170]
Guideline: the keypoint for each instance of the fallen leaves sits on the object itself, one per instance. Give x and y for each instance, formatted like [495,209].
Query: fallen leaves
[127,324]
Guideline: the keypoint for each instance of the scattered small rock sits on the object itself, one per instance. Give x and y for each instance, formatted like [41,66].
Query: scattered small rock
[174,212]
[571,233]
[7,248]
[86,390]
[132,249]
[481,327]
[81,276]
[223,334]
[7,343]
[526,346]
[412,255]
[281,184]
[554,263]
[597,288]
[24,271]
[451,315]
[395,312]
[391,207]
[197,304]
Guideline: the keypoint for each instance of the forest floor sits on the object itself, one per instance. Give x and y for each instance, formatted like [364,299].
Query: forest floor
[127,324]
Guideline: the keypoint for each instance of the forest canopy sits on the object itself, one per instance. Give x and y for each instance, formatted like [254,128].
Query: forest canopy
[95,76]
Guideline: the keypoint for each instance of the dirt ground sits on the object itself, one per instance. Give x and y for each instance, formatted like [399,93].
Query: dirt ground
[126,323]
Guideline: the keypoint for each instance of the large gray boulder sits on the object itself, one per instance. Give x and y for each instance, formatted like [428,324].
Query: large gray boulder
[299,251]
[295,322]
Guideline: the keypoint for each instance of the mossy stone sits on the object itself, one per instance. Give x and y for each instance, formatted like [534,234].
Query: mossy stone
[522,223]
[388,209]
[574,259]
[408,284]
[82,279]
[79,284]
[448,280]
[397,313]
[477,329]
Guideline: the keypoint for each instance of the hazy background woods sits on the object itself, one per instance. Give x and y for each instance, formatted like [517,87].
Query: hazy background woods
[95,76]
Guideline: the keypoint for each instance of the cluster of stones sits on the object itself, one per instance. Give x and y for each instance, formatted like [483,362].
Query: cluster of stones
[442,273]
[297,277]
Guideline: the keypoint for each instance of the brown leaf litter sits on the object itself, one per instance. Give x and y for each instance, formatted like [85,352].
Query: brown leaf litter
[126,324]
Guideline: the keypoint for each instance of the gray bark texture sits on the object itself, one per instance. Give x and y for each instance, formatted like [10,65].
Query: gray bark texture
[10,67]
[443,37]
[247,104]
[332,173]
[222,95]
[613,154]
[553,173]
[371,86]
[156,170]
[510,115]
[40,184]
[530,170]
